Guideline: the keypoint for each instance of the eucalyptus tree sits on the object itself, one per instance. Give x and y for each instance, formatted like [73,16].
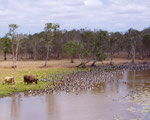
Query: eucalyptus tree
[92,42]
[19,37]
[146,43]
[35,42]
[58,44]
[14,42]
[26,47]
[114,42]
[87,37]
[76,49]
[132,37]
[70,49]
[50,36]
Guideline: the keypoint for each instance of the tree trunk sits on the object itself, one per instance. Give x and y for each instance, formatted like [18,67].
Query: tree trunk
[35,58]
[72,61]
[129,54]
[58,55]
[133,54]
[13,53]
[83,64]
[16,52]
[93,64]
[35,53]
[111,57]
[5,53]
[14,62]
[47,55]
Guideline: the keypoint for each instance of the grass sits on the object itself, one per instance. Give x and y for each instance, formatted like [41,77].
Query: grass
[19,84]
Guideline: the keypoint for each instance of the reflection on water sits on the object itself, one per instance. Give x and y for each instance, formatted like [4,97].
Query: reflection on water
[127,97]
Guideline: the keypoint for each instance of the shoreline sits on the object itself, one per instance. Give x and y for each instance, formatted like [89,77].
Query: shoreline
[89,79]
[69,80]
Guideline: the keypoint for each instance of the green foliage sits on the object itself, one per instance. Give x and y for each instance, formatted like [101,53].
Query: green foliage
[131,39]
[101,56]
[50,32]
[132,36]
[5,44]
[73,48]
[12,28]
[115,41]
[51,27]
[93,44]
[68,48]
[146,40]
[12,34]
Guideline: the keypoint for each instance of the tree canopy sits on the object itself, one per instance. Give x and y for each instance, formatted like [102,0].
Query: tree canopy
[84,44]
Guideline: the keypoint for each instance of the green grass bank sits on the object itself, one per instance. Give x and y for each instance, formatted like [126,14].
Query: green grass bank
[19,86]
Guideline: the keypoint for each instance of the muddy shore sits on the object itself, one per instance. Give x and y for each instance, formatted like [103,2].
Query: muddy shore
[87,79]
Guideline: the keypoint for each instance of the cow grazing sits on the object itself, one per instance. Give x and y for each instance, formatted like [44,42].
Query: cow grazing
[30,79]
[9,80]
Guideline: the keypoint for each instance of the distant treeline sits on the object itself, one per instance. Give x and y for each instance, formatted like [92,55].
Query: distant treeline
[87,45]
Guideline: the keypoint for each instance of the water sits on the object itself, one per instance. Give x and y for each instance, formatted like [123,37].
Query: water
[125,98]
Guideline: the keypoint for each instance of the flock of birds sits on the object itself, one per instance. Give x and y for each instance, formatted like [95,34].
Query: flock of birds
[89,79]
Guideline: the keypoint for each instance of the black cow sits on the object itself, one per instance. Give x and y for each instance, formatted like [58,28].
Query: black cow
[30,79]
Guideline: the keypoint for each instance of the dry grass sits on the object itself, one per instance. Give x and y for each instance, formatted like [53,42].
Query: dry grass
[56,63]
[27,66]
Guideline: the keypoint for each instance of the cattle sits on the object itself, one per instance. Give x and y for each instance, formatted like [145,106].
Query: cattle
[9,80]
[30,79]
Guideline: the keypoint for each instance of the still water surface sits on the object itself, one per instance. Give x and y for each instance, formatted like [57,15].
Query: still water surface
[125,98]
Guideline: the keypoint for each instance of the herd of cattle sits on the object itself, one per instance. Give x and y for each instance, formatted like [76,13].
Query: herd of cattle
[27,79]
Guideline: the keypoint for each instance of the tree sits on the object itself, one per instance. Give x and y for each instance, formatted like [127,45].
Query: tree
[70,49]
[15,42]
[5,46]
[75,49]
[58,44]
[146,43]
[92,42]
[12,33]
[19,37]
[113,41]
[132,36]
[50,30]
[90,46]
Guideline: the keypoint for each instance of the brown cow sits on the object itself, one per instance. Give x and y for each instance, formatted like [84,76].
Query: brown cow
[30,79]
[9,80]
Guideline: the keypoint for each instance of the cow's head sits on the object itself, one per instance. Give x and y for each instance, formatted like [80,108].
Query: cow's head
[4,82]
[36,80]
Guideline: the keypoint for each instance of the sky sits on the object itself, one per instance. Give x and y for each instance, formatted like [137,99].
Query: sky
[111,15]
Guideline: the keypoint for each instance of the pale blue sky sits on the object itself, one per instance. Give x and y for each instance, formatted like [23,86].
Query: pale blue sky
[111,15]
